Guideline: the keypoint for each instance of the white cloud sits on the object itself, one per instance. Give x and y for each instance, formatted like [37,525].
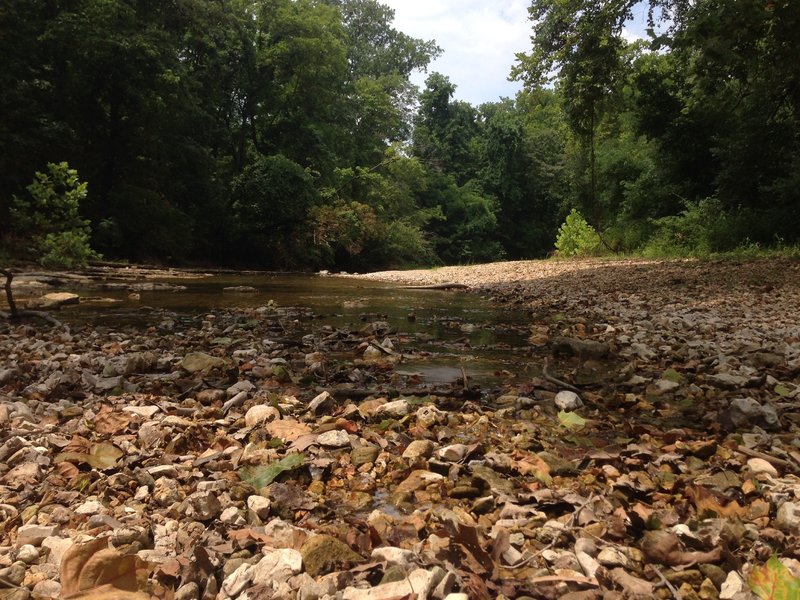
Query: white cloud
[479,39]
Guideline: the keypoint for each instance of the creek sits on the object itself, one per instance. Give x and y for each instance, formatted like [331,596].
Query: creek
[447,334]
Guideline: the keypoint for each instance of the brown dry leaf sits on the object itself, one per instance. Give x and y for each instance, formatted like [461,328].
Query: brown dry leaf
[705,500]
[665,548]
[92,569]
[109,422]
[633,587]
[531,464]
[287,429]
[78,444]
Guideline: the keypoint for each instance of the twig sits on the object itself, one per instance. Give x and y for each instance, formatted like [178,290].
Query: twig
[9,296]
[464,378]
[770,459]
[558,382]
[666,582]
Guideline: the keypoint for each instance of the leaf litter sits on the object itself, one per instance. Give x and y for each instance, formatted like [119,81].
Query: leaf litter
[289,464]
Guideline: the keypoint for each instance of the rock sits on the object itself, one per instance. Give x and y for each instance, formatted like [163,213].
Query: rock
[320,403]
[28,554]
[146,412]
[732,587]
[453,453]
[14,573]
[417,480]
[324,554]
[430,415]
[746,412]
[55,300]
[661,387]
[364,455]
[612,557]
[47,588]
[336,438]
[238,387]
[419,582]
[195,362]
[577,347]
[259,506]
[759,465]
[167,491]
[727,381]
[558,465]
[788,517]
[57,547]
[278,566]
[240,289]
[259,414]
[168,471]
[394,410]
[568,401]
[418,449]
[188,591]
[35,534]
[394,556]
[238,581]
[203,506]
[90,507]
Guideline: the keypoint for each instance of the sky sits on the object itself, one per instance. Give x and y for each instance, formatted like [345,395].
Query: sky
[480,39]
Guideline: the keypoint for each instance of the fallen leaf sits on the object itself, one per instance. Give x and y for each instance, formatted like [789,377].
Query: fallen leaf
[773,581]
[571,420]
[109,422]
[88,567]
[261,476]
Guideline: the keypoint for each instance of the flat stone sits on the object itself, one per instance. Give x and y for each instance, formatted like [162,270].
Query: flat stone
[55,300]
[47,588]
[203,506]
[259,506]
[238,387]
[35,534]
[394,556]
[57,547]
[321,402]
[28,554]
[336,438]
[163,471]
[146,412]
[395,410]
[759,465]
[419,582]
[90,507]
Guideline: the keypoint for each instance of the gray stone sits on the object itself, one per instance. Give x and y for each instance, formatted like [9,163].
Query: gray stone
[321,402]
[568,401]
[788,517]
[203,506]
[419,582]
[394,556]
[240,386]
[577,347]
[14,573]
[746,412]
[259,506]
[47,589]
[188,591]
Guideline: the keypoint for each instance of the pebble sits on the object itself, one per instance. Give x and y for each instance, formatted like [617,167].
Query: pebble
[418,449]
[261,413]
[28,554]
[788,517]
[188,591]
[394,410]
[568,401]
[259,506]
[364,455]
[759,465]
[35,534]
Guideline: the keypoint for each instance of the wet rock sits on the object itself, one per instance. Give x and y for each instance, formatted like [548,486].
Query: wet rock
[240,289]
[55,300]
[364,455]
[323,553]
[418,449]
[196,362]
[568,401]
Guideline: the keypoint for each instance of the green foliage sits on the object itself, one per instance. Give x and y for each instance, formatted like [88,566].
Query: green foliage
[576,237]
[50,220]
[263,475]
[774,581]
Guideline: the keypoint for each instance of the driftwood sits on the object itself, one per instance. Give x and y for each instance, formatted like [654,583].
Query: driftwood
[437,286]
[14,313]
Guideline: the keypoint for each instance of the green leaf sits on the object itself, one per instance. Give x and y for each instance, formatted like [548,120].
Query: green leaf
[571,420]
[782,390]
[261,476]
[672,375]
[773,581]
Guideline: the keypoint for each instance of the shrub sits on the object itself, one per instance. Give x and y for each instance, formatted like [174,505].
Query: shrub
[49,221]
[576,237]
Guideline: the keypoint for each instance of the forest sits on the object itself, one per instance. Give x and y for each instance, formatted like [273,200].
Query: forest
[286,134]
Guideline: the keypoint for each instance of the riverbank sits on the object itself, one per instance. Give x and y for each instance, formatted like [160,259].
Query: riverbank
[651,449]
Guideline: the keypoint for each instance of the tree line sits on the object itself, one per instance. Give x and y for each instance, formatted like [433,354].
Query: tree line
[287,134]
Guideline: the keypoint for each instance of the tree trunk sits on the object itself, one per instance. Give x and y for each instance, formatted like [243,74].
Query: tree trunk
[9,296]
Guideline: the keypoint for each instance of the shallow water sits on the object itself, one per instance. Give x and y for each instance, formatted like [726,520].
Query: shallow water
[454,330]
